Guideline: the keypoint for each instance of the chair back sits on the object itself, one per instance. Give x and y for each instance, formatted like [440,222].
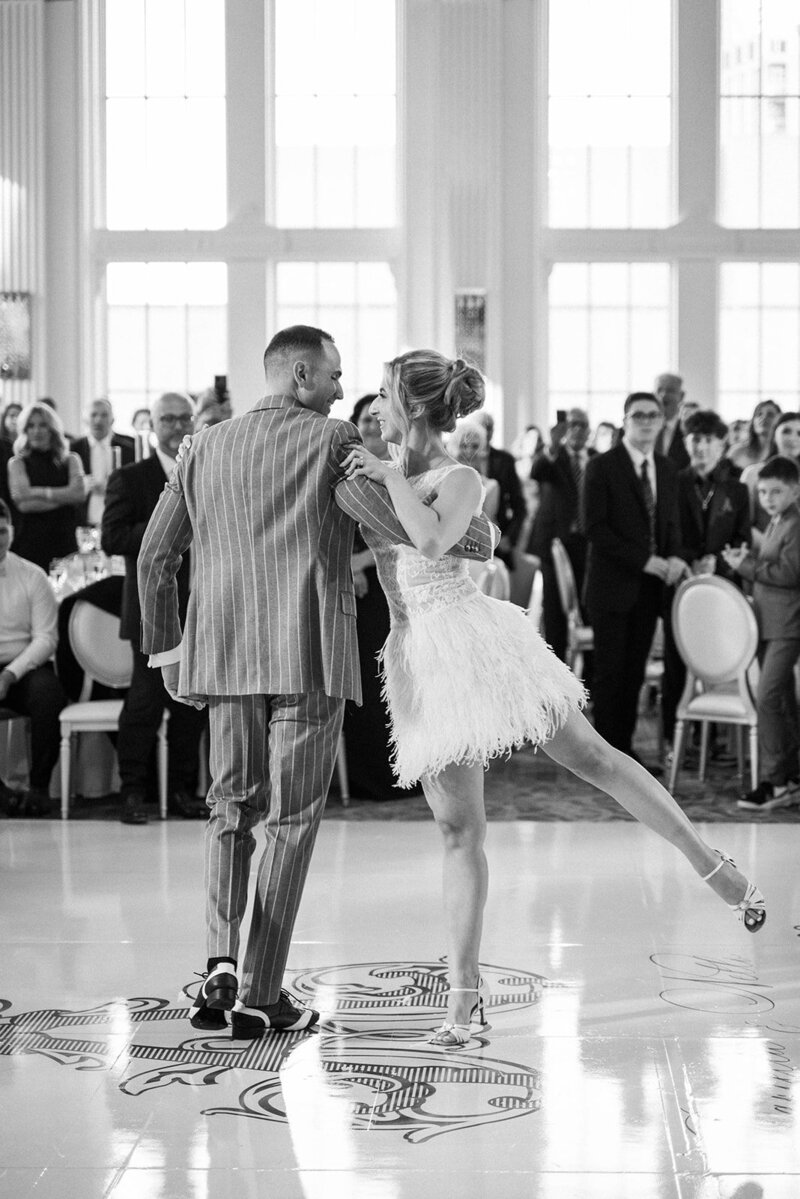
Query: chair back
[565,578]
[100,652]
[494,580]
[715,629]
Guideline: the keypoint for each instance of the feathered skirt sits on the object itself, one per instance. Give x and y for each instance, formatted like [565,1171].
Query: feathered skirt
[468,681]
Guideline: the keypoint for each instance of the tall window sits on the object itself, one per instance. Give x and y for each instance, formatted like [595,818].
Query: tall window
[759,336]
[760,114]
[610,113]
[335,113]
[356,303]
[165,114]
[166,330]
[609,333]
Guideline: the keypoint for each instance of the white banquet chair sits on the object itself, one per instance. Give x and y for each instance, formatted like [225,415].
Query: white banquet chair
[580,636]
[104,658]
[717,636]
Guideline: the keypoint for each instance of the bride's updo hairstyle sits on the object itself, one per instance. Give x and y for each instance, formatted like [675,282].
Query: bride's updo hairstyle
[424,383]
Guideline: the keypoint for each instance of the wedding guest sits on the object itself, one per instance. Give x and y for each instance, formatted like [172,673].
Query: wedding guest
[8,422]
[28,684]
[513,509]
[46,482]
[101,451]
[784,440]
[755,449]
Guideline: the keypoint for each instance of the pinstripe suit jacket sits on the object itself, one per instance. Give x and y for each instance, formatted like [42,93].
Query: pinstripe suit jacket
[272,608]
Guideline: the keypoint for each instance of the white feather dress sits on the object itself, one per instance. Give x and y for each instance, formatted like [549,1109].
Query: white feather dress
[465,677]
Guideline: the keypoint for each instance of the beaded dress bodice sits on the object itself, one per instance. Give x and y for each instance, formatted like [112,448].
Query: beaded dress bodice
[414,584]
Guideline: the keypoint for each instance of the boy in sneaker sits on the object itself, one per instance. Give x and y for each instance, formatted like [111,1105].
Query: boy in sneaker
[774,570]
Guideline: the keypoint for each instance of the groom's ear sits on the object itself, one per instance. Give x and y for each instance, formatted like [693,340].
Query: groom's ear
[300,372]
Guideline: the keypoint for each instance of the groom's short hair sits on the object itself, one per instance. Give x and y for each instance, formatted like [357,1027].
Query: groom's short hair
[296,337]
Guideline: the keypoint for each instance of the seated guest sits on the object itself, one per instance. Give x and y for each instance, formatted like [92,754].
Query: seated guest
[560,479]
[512,510]
[100,452]
[759,430]
[713,512]
[131,497]
[774,571]
[46,483]
[784,440]
[28,684]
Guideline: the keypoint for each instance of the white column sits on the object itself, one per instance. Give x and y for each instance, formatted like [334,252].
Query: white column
[451,104]
[245,59]
[696,31]
[22,174]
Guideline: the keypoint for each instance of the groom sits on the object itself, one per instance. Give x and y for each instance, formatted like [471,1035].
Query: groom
[270,645]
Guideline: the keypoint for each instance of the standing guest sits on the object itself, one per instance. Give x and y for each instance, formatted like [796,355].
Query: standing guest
[47,486]
[606,435]
[132,494]
[784,441]
[365,732]
[273,653]
[101,452]
[630,514]
[213,406]
[713,513]
[513,509]
[561,479]
[142,421]
[774,571]
[8,422]
[527,448]
[669,391]
[759,431]
[28,685]
[469,445]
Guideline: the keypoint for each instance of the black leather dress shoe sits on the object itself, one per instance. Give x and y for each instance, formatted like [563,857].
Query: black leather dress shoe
[287,1015]
[133,809]
[29,804]
[188,807]
[216,996]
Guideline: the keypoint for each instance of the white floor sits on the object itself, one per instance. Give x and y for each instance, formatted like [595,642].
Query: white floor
[643,1044]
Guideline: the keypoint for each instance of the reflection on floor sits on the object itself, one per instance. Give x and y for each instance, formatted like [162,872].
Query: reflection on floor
[642,1044]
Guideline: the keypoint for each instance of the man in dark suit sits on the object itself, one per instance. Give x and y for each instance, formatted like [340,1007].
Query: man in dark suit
[630,514]
[131,496]
[713,512]
[512,510]
[669,390]
[101,452]
[560,479]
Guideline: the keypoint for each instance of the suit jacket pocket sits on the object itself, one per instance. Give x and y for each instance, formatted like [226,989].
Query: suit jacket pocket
[347,600]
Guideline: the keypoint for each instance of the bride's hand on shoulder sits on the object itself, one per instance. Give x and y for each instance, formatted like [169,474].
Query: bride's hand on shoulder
[361,462]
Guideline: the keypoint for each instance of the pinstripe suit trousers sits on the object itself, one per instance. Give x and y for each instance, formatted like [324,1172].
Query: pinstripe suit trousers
[271,759]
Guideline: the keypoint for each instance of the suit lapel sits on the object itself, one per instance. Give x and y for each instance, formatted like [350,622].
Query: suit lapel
[629,472]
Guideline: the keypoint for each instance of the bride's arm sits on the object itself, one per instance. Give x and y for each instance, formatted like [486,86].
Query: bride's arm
[434,528]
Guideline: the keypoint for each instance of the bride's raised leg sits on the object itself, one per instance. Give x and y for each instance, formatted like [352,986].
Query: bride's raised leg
[577,746]
[455,796]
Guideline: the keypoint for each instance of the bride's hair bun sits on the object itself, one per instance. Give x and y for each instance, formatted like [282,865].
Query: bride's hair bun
[442,389]
[465,391]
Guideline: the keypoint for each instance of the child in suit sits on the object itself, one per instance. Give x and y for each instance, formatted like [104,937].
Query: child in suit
[774,570]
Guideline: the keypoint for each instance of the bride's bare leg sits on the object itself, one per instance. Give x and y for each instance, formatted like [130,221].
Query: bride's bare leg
[583,751]
[455,796]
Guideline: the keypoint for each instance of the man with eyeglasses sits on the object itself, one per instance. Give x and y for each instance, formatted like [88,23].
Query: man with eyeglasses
[131,496]
[630,515]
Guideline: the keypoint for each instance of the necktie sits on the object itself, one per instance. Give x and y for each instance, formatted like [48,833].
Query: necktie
[577,474]
[650,504]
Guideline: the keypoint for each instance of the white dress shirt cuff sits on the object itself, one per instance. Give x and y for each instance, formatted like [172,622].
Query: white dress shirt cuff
[166,657]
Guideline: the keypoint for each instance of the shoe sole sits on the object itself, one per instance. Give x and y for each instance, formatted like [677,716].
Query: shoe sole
[220,998]
[197,1021]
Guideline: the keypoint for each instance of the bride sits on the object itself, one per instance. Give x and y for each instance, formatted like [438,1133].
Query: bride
[467,677]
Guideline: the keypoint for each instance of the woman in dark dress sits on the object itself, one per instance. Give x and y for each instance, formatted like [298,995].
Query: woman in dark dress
[365,730]
[46,483]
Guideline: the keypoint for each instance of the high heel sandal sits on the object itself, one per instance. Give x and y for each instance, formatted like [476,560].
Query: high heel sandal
[751,910]
[453,1036]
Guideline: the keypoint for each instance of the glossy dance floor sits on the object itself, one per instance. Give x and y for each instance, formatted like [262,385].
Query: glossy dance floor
[642,1044]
